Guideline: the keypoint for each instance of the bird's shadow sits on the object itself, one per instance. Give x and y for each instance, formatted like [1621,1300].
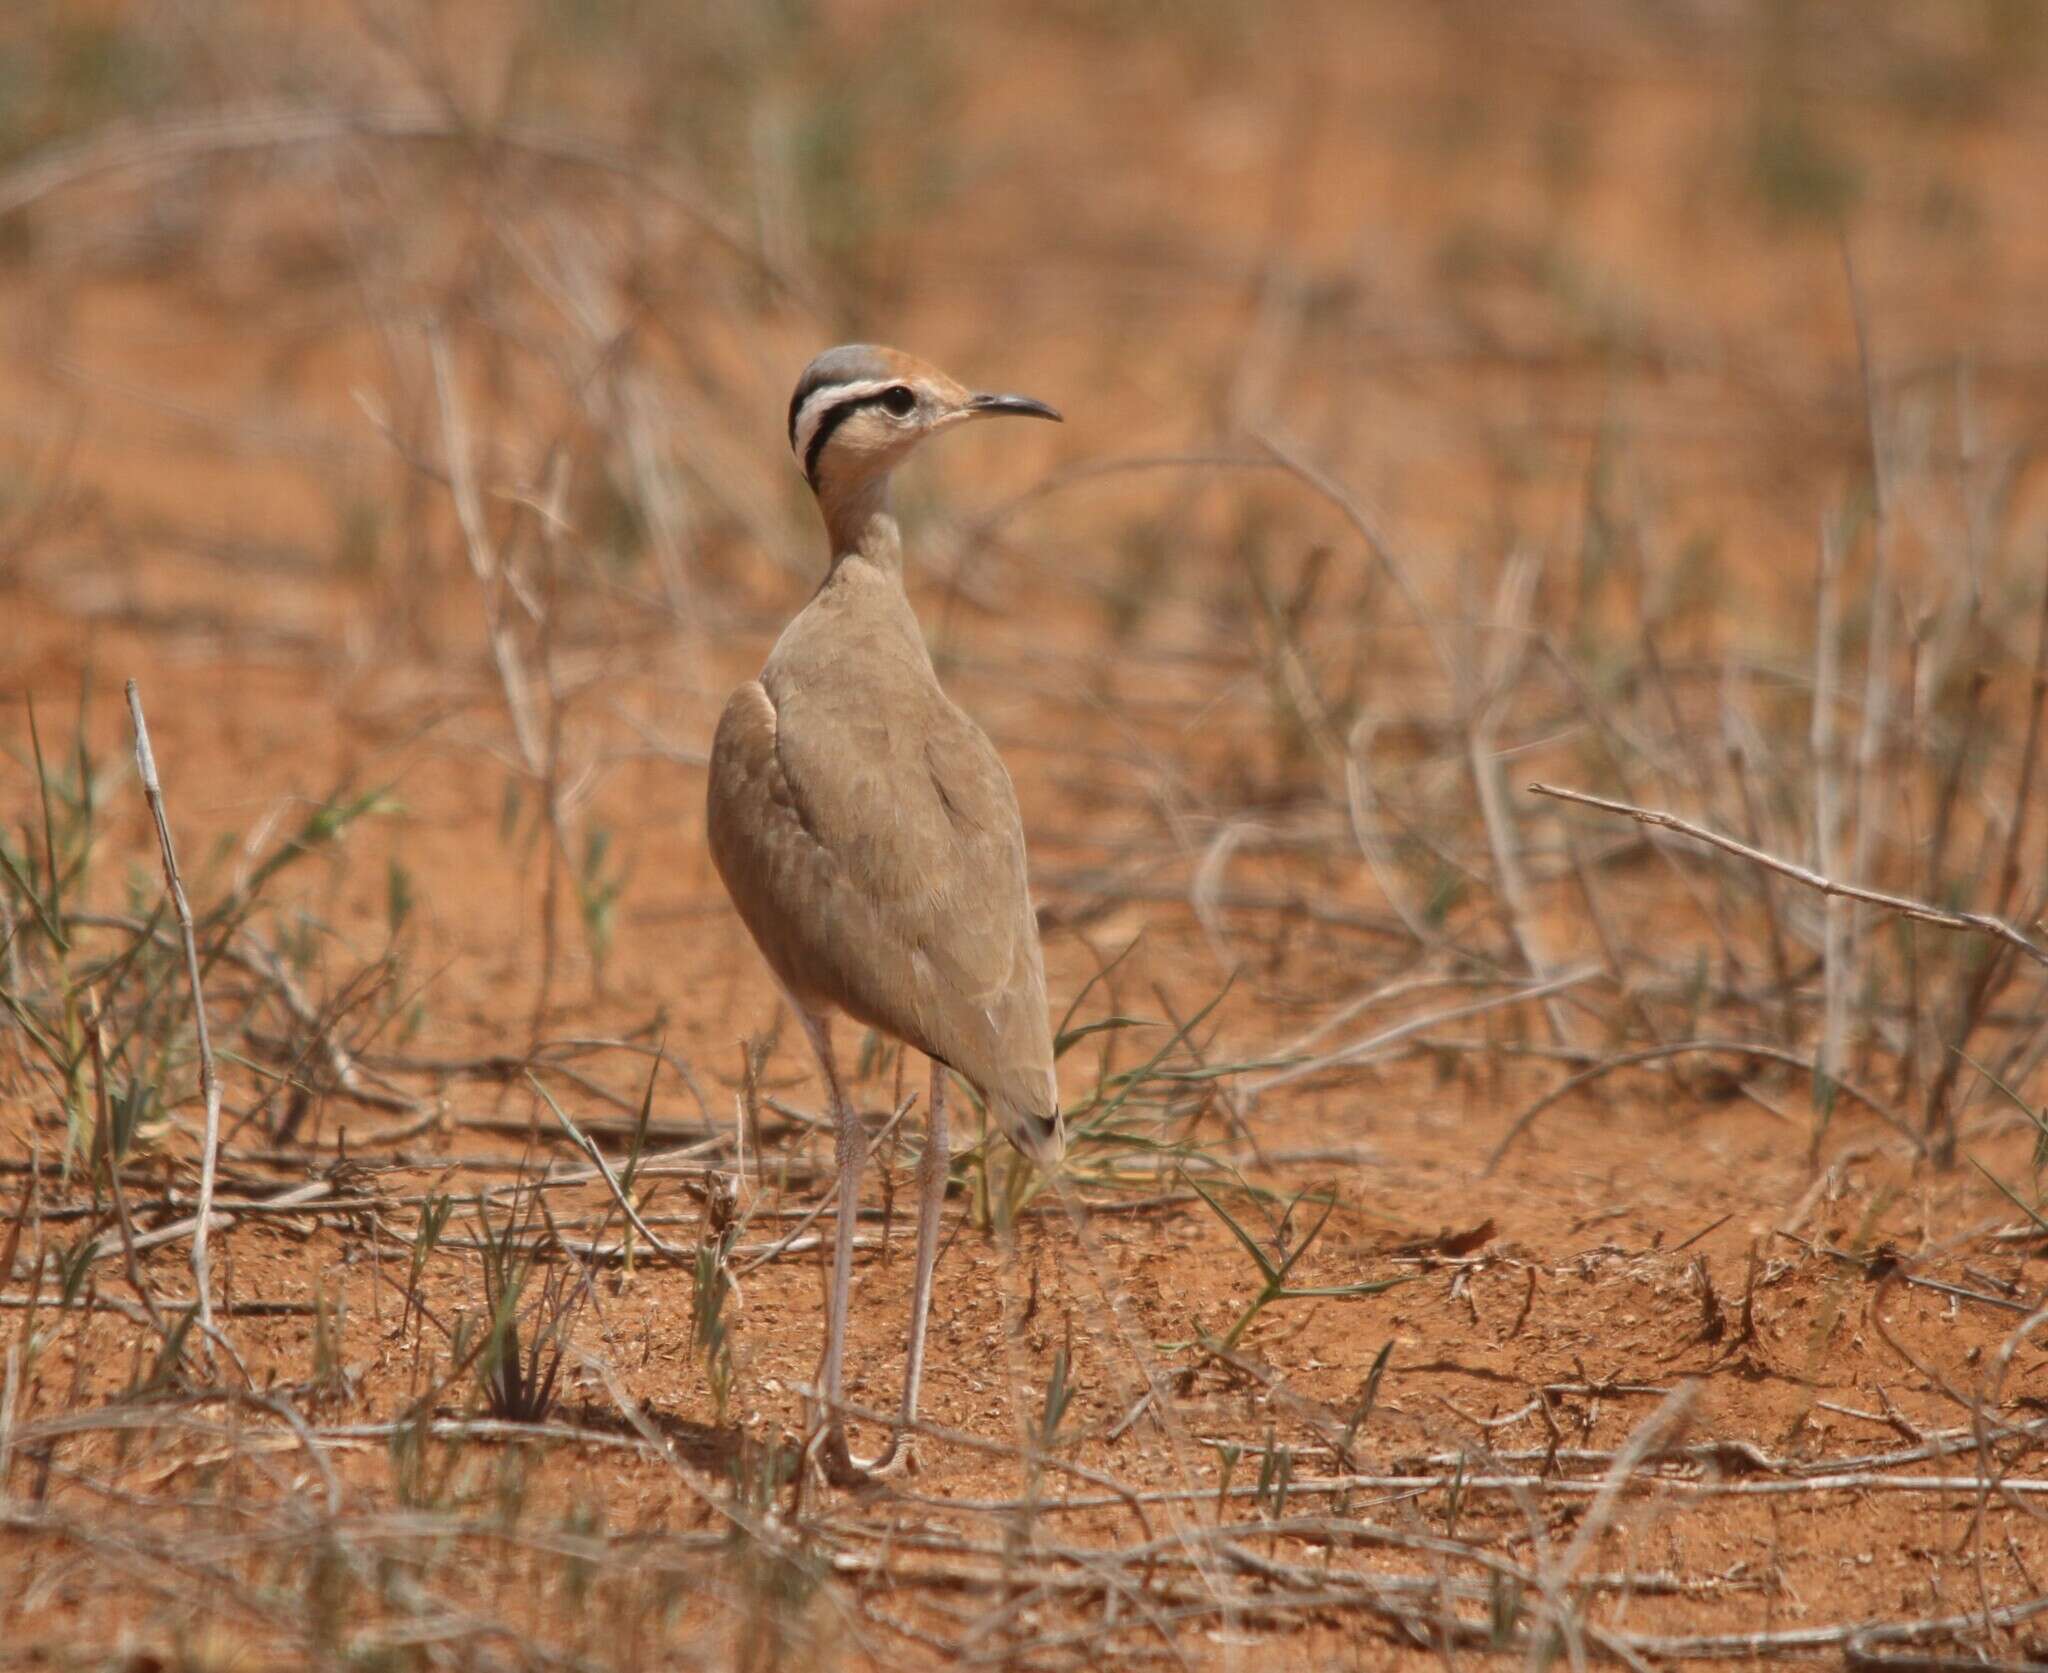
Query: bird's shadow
[715,1448]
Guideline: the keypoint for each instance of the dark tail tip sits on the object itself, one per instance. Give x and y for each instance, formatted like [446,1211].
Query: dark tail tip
[1043,1138]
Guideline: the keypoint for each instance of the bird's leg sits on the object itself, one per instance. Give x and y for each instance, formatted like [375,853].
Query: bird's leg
[849,1151]
[847,1154]
[931,1204]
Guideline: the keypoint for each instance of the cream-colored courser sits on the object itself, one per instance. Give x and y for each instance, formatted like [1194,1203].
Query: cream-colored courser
[869,835]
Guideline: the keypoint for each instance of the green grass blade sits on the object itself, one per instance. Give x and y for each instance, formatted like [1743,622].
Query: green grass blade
[1069,1037]
[1266,1268]
[27,891]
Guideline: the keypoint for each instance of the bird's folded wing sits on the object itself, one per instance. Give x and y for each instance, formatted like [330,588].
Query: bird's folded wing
[903,843]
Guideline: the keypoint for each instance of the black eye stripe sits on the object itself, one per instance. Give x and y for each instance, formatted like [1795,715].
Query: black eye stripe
[831,419]
[812,382]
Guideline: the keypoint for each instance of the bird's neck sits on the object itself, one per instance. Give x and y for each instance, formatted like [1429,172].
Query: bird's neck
[860,525]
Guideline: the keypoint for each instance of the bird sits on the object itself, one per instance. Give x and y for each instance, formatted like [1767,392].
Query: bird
[869,836]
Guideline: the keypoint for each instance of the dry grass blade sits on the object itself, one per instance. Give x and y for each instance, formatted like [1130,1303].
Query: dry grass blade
[1359,1050]
[209,1074]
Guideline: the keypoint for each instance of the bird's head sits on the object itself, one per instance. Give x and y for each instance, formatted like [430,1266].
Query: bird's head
[859,409]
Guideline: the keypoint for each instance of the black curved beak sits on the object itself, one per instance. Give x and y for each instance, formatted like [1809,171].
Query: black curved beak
[990,406]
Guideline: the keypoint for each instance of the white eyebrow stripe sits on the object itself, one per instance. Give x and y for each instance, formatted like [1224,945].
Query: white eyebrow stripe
[822,401]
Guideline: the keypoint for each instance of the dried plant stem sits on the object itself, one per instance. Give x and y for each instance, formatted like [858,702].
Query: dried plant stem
[209,1076]
[1826,796]
[1369,530]
[10,1383]
[611,1180]
[483,559]
[1993,974]
[1359,803]
[1477,684]
[1877,656]
[1905,906]
[1651,1436]
[1781,962]
[1359,1050]
[1655,1054]
[214,1219]
[1483,758]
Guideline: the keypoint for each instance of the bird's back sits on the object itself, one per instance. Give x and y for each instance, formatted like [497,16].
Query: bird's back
[870,837]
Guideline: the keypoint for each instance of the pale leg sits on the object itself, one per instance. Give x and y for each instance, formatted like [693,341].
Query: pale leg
[849,1149]
[931,1207]
[847,1152]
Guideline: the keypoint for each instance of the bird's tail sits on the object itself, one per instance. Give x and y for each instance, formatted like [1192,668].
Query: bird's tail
[1037,1130]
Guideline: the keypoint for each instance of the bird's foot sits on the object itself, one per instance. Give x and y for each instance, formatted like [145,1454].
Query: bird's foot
[834,1460]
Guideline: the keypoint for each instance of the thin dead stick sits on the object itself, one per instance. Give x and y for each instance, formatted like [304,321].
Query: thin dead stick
[1359,801]
[1673,1412]
[1380,1593]
[1675,1487]
[10,1382]
[1475,699]
[483,558]
[1781,963]
[1868,1634]
[1877,654]
[1310,1530]
[258,1308]
[1369,530]
[1375,997]
[1993,974]
[1904,905]
[209,1076]
[300,1197]
[666,1250]
[1826,800]
[1479,697]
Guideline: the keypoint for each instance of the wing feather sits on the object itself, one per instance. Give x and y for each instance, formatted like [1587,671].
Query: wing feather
[876,852]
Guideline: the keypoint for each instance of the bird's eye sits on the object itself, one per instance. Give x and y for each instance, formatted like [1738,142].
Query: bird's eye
[899,402]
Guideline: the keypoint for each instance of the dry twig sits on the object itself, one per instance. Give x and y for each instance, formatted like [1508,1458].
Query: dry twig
[1906,907]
